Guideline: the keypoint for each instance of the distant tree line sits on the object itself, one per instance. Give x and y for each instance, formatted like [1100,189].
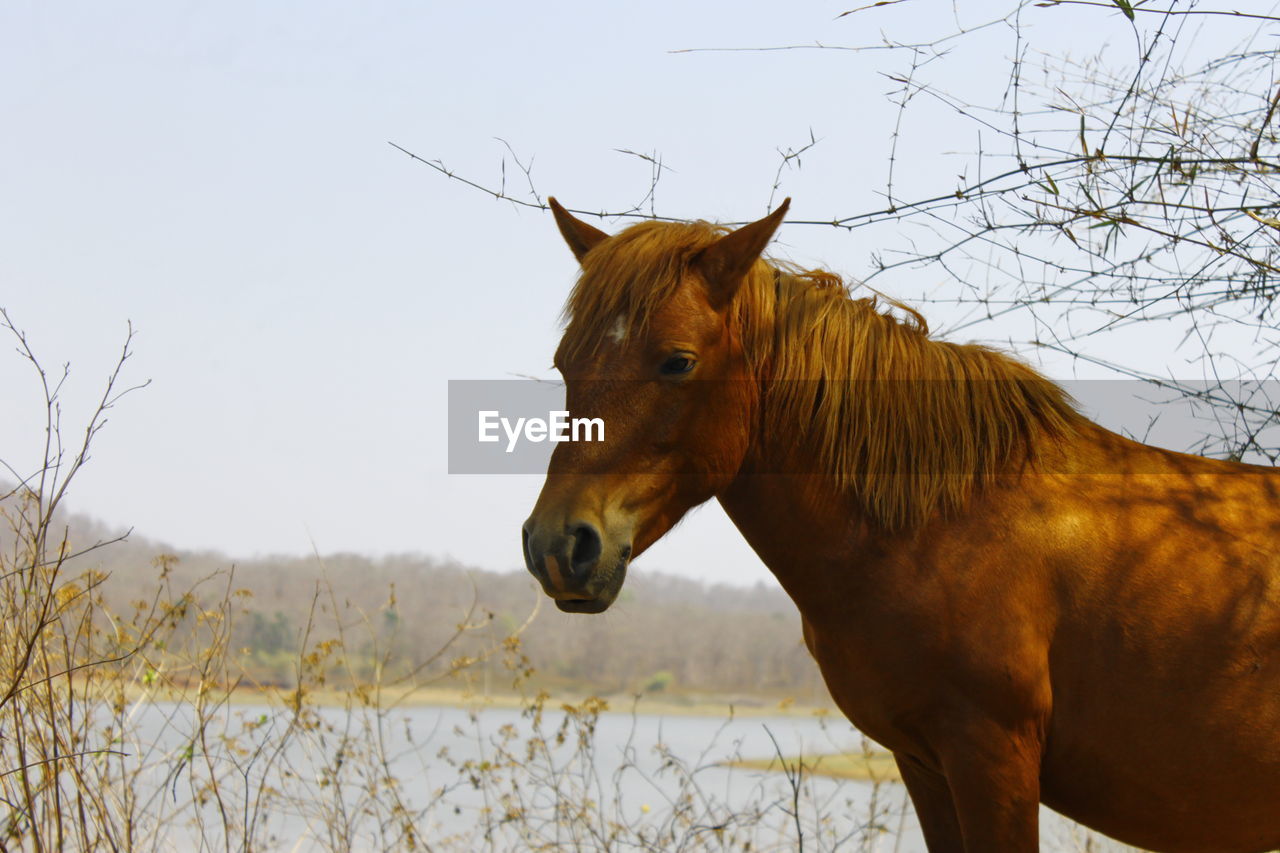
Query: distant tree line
[405,612]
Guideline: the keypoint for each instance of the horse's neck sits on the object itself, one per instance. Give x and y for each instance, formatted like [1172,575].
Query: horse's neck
[816,537]
[811,533]
[801,529]
[792,515]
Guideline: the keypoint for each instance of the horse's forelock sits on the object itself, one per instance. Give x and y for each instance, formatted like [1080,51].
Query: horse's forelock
[628,277]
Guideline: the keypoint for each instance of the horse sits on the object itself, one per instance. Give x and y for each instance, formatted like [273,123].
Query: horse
[1021,605]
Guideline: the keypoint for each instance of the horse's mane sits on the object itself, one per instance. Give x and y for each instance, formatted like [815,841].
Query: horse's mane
[907,424]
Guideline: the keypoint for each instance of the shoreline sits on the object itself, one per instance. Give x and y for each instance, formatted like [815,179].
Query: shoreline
[655,704]
[873,765]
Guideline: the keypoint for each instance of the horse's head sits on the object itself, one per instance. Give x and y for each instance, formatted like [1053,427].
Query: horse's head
[652,349]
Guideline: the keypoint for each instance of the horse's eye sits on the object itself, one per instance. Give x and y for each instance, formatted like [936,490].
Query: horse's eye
[677,364]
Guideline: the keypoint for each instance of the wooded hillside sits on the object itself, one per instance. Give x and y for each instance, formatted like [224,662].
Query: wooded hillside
[664,634]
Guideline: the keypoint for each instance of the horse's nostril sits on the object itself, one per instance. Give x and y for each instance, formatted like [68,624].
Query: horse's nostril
[586,547]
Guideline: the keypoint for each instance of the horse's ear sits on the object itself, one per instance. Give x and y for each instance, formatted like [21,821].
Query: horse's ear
[726,262]
[580,236]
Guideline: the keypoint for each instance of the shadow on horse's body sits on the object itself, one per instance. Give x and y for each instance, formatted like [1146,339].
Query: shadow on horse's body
[1021,605]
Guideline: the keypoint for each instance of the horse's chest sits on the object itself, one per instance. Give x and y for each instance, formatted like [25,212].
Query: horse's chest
[901,682]
[882,699]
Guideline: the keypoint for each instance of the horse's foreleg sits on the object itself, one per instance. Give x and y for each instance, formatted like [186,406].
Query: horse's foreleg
[995,783]
[934,805]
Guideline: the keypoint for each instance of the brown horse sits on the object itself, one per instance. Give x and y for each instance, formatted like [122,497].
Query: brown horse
[1021,605]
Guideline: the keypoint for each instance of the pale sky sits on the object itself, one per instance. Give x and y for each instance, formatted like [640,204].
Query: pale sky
[219,175]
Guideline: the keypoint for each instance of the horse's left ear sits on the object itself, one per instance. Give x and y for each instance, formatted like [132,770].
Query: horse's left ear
[726,262]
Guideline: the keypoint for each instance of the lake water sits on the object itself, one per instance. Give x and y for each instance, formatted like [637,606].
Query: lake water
[499,779]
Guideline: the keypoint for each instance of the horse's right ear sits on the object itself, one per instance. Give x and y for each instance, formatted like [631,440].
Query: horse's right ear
[580,236]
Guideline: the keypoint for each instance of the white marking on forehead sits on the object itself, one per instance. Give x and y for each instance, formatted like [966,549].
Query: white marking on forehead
[619,330]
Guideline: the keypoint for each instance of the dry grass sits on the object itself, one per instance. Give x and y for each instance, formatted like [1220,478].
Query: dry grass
[138,727]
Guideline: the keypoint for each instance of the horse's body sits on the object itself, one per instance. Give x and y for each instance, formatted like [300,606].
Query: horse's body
[1021,605]
[1107,643]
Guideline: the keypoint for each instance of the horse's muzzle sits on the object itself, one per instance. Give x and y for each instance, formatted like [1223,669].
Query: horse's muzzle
[575,565]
